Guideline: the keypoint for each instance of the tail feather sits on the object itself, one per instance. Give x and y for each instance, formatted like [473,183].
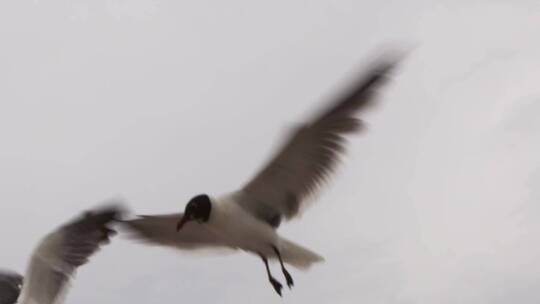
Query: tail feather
[298,256]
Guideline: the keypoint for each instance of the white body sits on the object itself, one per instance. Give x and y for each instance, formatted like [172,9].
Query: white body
[240,229]
[229,225]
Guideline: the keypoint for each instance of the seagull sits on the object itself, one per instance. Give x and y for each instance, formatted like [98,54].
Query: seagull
[56,259]
[247,219]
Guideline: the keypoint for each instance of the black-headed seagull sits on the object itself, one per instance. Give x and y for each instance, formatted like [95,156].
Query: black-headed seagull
[247,219]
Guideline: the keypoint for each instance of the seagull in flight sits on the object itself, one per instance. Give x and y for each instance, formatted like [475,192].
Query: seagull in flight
[56,259]
[248,218]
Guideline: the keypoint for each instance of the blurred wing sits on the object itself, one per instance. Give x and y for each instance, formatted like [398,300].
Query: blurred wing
[161,230]
[10,287]
[56,259]
[310,153]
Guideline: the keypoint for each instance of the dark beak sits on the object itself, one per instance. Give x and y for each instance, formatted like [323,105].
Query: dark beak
[186,218]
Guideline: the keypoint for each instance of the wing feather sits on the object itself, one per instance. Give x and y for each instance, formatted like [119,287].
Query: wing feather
[56,259]
[310,154]
[161,230]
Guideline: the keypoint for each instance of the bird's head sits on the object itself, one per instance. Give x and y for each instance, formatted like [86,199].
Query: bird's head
[198,209]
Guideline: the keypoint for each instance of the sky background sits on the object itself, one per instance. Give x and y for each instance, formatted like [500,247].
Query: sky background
[154,101]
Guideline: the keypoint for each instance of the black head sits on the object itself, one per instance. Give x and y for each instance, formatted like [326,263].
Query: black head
[197,209]
[10,286]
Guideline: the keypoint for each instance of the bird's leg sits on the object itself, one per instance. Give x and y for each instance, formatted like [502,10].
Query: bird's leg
[275,283]
[287,275]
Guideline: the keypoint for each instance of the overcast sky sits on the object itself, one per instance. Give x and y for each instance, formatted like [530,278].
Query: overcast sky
[155,101]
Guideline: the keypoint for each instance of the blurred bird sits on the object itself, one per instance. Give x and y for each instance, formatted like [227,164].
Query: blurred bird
[10,286]
[57,257]
[247,219]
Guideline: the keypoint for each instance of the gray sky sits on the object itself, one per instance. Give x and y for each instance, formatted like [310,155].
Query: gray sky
[156,101]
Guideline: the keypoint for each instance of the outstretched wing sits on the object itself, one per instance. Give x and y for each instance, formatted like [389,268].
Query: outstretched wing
[310,154]
[161,230]
[10,287]
[60,253]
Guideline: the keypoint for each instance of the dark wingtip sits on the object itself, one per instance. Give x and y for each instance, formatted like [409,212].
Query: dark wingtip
[100,218]
[383,66]
[114,210]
